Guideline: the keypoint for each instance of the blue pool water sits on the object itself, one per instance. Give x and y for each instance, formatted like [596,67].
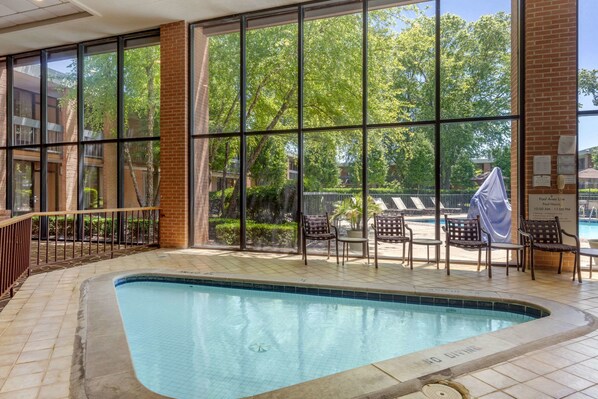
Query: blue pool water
[194,341]
[588,229]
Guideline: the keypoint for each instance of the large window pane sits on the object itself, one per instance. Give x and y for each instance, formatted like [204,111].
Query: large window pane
[401,176]
[588,56]
[272,73]
[588,181]
[142,173]
[401,62]
[332,65]
[26,101]
[100,176]
[26,181]
[476,65]
[142,88]
[61,184]
[272,192]
[100,92]
[62,96]
[332,178]
[217,70]
[469,152]
[216,192]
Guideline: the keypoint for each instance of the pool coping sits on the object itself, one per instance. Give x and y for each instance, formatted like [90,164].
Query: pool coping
[102,365]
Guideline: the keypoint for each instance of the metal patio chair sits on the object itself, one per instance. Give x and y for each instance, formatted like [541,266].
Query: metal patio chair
[547,235]
[318,228]
[466,234]
[391,229]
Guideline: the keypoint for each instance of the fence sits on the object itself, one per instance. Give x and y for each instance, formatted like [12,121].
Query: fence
[320,202]
[64,236]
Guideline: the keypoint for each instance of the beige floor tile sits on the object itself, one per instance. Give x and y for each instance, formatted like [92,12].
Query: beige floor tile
[22,382]
[54,391]
[476,387]
[32,356]
[515,372]
[29,368]
[522,391]
[494,378]
[570,380]
[550,387]
[29,393]
[496,395]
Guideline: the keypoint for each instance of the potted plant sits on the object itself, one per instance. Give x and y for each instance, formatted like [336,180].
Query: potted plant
[351,209]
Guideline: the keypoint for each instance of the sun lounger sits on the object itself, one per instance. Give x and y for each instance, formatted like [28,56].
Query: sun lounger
[420,205]
[446,210]
[401,207]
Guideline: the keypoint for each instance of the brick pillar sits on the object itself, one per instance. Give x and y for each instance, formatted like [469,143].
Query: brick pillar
[174,193]
[551,92]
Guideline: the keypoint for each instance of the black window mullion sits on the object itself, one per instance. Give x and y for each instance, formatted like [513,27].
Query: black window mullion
[120,120]
[300,65]
[43,131]
[190,139]
[243,119]
[437,104]
[364,110]
[9,130]
[80,128]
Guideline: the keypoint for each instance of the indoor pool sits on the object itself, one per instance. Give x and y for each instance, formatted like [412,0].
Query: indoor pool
[198,341]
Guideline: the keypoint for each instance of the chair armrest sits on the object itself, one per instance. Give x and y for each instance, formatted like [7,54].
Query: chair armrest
[444,228]
[526,236]
[335,230]
[487,234]
[410,232]
[572,236]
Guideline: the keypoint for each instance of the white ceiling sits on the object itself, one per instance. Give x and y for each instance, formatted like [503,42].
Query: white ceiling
[112,17]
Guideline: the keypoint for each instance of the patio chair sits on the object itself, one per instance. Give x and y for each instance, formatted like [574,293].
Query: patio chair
[381,204]
[420,205]
[401,207]
[547,235]
[391,229]
[443,209]
[318,228]
[466,234]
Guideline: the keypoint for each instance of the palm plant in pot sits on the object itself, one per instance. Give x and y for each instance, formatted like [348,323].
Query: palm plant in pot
[351,209]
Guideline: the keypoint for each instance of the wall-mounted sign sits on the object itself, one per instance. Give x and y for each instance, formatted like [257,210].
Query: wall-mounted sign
[547,206]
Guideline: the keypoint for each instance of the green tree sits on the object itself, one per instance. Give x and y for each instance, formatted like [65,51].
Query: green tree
[141,108]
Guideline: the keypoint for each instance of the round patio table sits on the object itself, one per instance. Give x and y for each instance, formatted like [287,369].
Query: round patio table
[427,242]
[591,252]
[353,240]
[508,246]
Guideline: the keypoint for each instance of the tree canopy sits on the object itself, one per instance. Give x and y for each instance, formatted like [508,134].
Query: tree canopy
[475,82]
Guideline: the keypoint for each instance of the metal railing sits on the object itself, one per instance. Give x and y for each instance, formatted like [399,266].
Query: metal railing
[15,244]
[55,237]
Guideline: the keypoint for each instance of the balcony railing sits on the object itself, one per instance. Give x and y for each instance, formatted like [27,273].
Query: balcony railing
[56,237]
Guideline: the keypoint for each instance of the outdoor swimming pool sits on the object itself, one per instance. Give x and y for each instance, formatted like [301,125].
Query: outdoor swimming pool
[197,341]
[586,229]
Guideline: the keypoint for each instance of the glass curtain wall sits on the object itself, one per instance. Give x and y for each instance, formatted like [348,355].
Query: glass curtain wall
[587,125]
[78,140]
[407,105]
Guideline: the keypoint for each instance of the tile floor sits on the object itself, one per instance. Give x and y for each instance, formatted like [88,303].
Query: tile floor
[37,327]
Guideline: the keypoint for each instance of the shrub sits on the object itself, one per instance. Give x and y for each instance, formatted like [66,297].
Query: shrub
[259,234]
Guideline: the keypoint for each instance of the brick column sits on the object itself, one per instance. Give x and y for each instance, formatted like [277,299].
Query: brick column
[551,92]
[174,193]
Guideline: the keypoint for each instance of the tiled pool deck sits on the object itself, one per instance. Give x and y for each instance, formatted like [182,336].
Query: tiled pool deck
[38,326]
